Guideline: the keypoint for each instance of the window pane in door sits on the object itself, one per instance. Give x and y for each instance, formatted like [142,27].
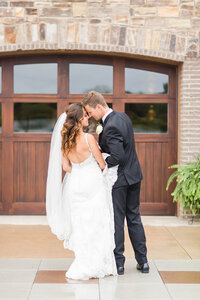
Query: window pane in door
[86,77]
[35,78]
[145,82]
[148,118]
[34,117]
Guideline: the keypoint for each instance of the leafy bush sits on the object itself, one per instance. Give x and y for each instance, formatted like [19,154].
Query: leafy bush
[187,189]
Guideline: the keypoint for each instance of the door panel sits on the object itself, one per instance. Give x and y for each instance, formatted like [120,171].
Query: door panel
[30,172]
[26,129]
[154,160]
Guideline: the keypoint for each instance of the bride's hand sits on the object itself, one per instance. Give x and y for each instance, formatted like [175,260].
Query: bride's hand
[102,166]
[104,171]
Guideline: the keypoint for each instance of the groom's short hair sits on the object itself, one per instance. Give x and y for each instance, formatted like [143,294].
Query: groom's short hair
[93,98]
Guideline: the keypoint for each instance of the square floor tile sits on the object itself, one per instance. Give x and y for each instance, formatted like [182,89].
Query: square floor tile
[59,264]
[188,238]
[192,277]
[132,275]
[178,265]
[161,244]
[15,276]
[19,263]
[134,291]
[184,291]
[64,292]
[50,276]
[16,291]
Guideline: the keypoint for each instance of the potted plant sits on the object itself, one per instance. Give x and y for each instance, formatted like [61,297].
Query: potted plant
[187,190]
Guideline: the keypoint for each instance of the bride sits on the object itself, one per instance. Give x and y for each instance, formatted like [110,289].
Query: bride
[79,208]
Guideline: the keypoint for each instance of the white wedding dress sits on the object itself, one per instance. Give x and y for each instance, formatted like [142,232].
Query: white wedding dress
[83,218]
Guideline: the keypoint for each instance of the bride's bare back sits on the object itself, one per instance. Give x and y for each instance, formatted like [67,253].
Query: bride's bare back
[81,152]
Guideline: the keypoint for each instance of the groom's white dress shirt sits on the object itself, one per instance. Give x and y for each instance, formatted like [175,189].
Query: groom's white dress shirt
[108,112]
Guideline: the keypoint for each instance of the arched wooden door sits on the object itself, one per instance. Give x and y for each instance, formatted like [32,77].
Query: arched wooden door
[35,90]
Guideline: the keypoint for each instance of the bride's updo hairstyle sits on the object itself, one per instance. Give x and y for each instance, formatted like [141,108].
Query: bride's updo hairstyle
[72,126]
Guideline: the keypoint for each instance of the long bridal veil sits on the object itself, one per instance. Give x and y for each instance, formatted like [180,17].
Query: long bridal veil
[57,208]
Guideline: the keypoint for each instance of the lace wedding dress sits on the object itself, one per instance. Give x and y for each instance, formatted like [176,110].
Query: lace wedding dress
[83,218]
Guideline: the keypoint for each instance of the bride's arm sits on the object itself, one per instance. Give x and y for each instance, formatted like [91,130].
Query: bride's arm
[96,152]
[66,164]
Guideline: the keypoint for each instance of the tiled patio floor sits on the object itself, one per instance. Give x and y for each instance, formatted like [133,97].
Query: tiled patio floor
[44,279]
[33,265]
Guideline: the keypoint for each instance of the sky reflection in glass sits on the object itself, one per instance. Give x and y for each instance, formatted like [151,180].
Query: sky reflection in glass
[35,78]
[86,77]
[145,82]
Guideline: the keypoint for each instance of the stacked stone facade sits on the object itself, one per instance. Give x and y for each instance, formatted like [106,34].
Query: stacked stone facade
[165,30]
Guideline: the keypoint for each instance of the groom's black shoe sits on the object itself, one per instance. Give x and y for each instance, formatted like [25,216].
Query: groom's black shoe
[144,268]
[120,270]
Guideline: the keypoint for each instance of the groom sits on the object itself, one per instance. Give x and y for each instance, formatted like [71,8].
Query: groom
[117,139]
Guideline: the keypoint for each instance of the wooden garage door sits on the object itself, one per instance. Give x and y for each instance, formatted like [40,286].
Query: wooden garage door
[35,90]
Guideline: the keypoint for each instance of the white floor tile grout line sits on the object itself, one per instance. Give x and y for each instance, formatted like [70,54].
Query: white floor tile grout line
[153,260]
[34,279]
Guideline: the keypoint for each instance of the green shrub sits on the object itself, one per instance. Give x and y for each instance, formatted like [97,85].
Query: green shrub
[187,189]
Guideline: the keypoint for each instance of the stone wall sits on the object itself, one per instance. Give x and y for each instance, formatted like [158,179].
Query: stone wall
[165,29]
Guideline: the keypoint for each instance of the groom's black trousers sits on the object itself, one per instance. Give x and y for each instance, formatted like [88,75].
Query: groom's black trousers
[126,204]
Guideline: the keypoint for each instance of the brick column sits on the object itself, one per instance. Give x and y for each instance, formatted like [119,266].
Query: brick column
[190,110]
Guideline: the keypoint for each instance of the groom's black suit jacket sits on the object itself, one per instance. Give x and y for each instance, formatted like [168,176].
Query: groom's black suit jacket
[117,139]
